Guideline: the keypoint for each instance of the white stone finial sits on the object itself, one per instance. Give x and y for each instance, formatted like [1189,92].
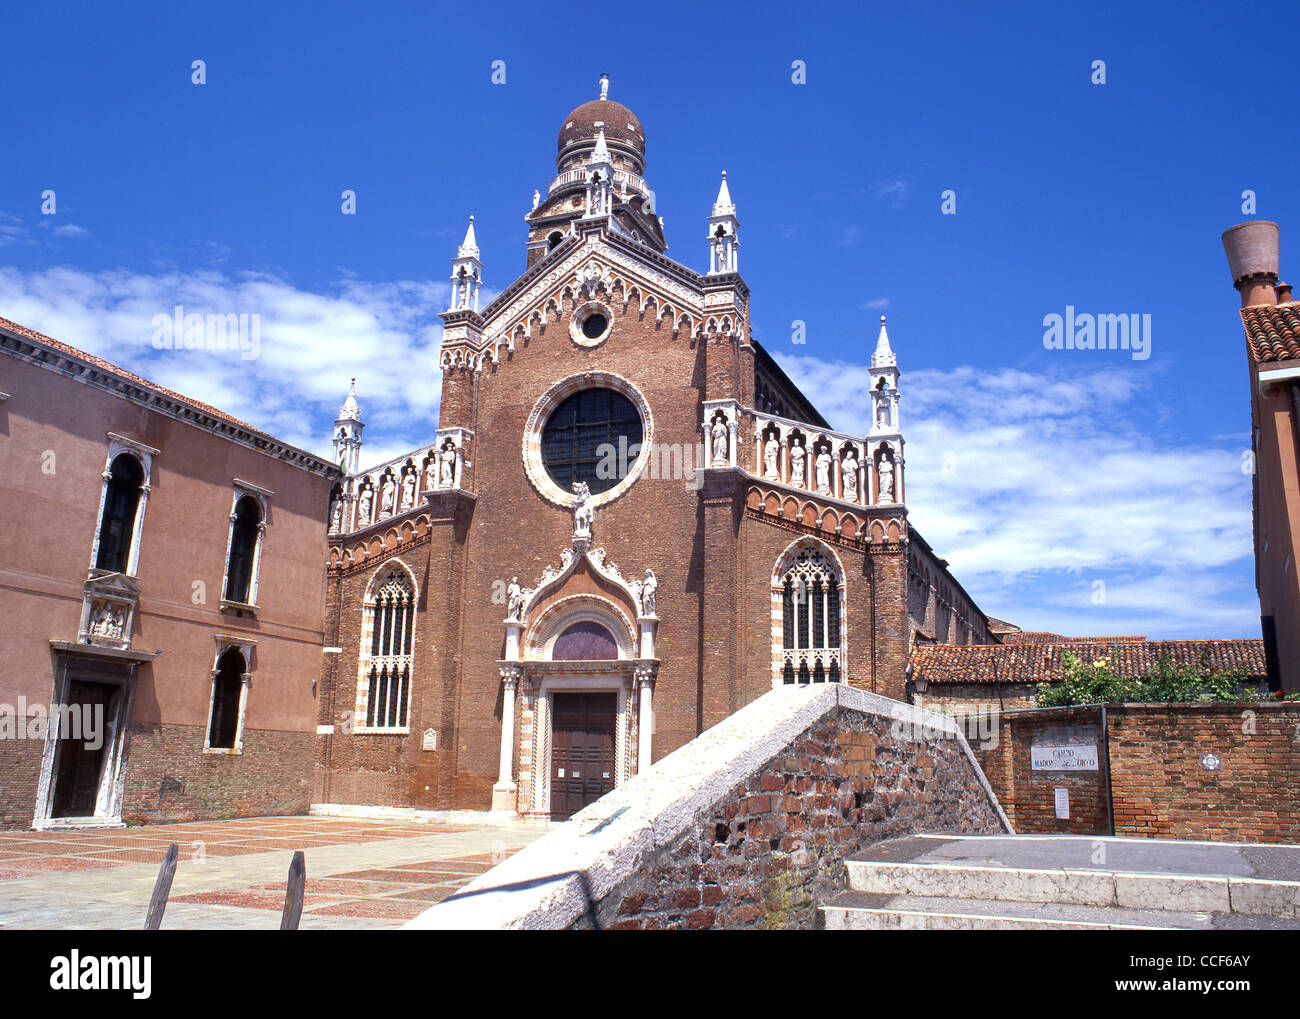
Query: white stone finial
[884,355]
[469,246]
[604,85]
[600,154]
[350,411]
[724,206]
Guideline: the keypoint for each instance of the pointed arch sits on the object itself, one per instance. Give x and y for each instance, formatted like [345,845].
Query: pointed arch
[387,653]
[808,614]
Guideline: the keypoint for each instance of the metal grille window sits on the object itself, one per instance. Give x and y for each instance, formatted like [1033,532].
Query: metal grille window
[387,647]
[812,647]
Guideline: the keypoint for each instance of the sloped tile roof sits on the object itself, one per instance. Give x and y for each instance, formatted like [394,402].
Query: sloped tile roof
[1043,637]
[1043,663]
[1273,331]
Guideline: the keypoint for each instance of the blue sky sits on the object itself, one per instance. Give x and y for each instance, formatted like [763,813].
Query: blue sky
[1037,473]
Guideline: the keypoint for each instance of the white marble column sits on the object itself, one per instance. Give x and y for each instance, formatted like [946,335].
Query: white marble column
[504,792]
[645,731]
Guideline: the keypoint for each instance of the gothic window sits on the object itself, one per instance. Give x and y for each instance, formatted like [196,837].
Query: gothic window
[554,239]
[227,694]
[117,525]
[245,529]
[387,651]
[590,432]
[810,590]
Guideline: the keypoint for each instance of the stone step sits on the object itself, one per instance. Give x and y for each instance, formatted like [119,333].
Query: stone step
[853,910]
[1198,893]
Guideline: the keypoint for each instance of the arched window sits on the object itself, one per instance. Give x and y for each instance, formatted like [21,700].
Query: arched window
[227,693]
[585,641]
[387,651]
[553,241]
[244,531]
[117,526]
[812,644]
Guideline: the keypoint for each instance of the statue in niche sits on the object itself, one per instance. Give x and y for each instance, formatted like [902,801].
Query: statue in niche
[363,507]
[514,599]
[336,513]
[447,466]
[719,443]
[882,413]
[823,473]
[849,474]
[387,494]
[408,489]
[796,464]
[886,470]
[771,450]
[107,621]
[583,511]
[647,593]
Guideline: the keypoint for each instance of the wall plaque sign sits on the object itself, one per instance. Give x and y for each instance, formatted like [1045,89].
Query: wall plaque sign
[1078,757]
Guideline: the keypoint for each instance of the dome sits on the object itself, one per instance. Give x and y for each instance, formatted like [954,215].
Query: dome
[620,124]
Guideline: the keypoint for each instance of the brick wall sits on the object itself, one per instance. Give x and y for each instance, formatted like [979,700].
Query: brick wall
[20,768]
[1159,787]
[170,778]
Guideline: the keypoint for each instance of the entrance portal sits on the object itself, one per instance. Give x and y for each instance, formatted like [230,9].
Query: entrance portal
[582,750]
[81,763]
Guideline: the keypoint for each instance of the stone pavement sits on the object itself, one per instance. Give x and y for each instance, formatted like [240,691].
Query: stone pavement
[231,874]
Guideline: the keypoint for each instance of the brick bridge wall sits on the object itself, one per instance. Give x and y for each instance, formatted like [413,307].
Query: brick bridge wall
[747,826]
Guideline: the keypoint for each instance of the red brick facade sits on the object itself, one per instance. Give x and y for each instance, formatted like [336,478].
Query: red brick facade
[679,342]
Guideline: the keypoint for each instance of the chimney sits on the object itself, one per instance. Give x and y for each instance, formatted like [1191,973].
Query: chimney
[1283,291]
[1251,248]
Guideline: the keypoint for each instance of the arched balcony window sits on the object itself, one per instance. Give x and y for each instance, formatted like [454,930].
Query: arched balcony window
[227,701]
[246,525]
[388,635]
[812,640]
[117,523]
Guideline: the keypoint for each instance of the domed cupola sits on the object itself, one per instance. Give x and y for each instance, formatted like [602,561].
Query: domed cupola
[623,133]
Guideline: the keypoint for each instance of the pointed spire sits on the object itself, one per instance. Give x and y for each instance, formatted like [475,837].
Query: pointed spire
[724,206]
[604,85]
[600,154]
[350,411]
[884,355]
[469,246]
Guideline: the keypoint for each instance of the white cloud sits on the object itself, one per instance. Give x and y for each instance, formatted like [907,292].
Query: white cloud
[894,192]
[1034,486]
[877,304]
[311,345]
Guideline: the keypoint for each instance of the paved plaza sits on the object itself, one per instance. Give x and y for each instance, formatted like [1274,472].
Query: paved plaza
[231,874]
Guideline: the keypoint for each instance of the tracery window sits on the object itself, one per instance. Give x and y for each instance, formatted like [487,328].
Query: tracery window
[812,647]
[387,651]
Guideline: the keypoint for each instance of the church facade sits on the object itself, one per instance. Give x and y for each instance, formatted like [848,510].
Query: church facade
[629,523]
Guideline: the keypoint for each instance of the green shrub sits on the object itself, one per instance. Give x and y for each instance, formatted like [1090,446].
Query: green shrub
[1095,683]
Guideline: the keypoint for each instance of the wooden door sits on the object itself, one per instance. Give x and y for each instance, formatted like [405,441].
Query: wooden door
[80,771]
[582,749]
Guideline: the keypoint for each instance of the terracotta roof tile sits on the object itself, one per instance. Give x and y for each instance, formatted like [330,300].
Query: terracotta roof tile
[1273,331]
[1042,663]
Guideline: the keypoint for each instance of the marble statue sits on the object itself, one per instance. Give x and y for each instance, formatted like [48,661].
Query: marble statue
[583,511]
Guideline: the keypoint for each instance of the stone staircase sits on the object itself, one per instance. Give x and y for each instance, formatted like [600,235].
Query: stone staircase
[945,882]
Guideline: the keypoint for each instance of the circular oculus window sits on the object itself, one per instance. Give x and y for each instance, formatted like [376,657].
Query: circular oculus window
[591,324]
[595,428]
